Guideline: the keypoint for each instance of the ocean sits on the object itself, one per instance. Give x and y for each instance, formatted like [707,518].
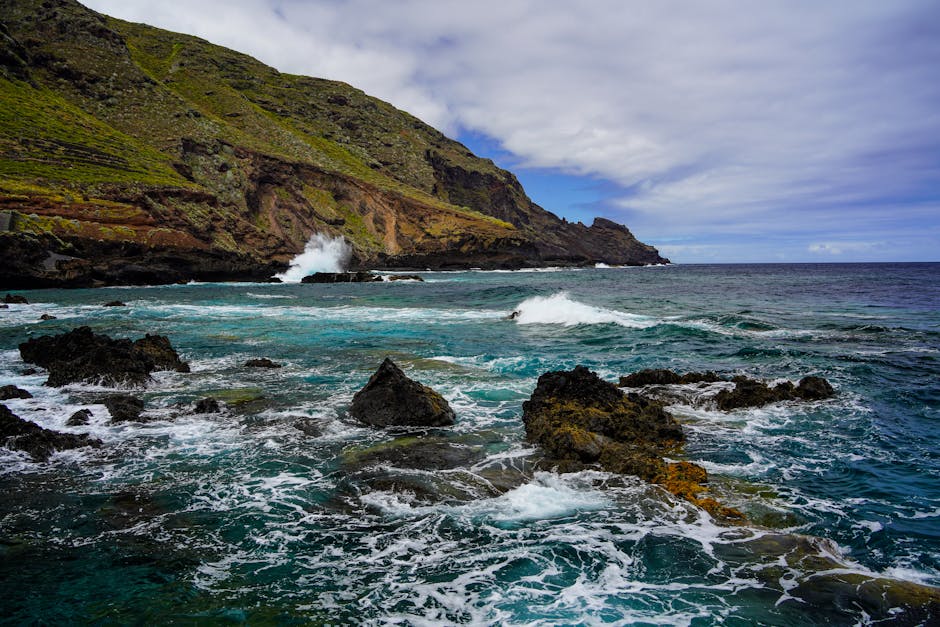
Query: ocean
[282,510]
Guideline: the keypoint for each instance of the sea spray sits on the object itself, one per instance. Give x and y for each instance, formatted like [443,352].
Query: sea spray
[321,254]
[559,308]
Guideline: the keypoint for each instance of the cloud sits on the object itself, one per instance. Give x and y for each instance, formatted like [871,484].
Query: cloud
[706,117]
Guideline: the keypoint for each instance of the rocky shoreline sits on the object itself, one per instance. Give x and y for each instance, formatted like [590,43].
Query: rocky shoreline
[577,420]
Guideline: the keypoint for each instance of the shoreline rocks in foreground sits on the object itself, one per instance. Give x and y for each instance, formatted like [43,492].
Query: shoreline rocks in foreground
[578,419]
[391,399]
[83,356]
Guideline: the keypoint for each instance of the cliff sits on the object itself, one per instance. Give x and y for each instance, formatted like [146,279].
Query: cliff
[129,154]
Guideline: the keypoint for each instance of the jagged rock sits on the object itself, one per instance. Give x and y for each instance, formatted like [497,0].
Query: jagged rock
[814,389]
[15,299]
[207,405]
[79,418]
[159,349]
[81,355]
[577,418]
[123,407]
[22,435]
[11,391]
[341,277]
[264,362]
[666,377]
[45,317]
[752,393]
[115,303]
[390,398]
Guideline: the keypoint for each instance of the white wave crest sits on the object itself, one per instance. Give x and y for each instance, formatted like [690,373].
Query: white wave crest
[321,254]
[560,309]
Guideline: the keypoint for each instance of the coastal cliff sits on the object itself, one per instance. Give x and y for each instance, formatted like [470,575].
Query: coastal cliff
[133,155]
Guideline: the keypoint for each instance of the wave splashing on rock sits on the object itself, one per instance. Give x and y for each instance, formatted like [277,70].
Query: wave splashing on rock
[321,254]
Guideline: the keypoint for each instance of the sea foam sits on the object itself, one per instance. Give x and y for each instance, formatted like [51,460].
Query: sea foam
[559,308]
[321,254]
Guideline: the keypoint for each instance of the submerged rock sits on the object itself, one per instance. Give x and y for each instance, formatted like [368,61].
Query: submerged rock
[341,277]
[11,391]
[45,317]
[15,299]
[115,303]
[422,453]
[81,355]
[124,407]
[207,405]
[577,418]
[390,399]
[264,362]
[22,435]
[79,418]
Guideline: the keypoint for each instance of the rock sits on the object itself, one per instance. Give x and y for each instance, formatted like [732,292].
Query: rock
[814,389]
[28,372]
[666,377]
[207,405]
[11,391]
[264,362]
[45,317]
[341,277]
[391,399]
[79,418]
[577,418]
[81,355]
[115,303]
[15,299]
[4,306]
[405,277]
[159,349]
[421,453]
[752,393]
[22,435]
[123,407]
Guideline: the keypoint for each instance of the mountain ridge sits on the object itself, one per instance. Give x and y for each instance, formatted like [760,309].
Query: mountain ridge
[130,154]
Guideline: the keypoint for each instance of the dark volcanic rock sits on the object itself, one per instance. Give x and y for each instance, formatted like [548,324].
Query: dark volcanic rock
[15,299]
[424,453]
[207,405]
[123,407]
[264,362]
[81,355]
[22,435]
[45,317]
[405,277]
[665,377]
[814,389]
[392,399]
[11,391]
[79,418]
[577,418]
[115,303]
[752,393]
[159,349]
[341,277]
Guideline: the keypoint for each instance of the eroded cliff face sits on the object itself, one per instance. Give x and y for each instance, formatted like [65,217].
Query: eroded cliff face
[129,154]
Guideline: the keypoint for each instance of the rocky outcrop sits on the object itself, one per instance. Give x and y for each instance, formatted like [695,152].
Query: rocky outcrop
[15,299]
[746,392]
[79,418]
[263,362]
[207,405]
[391,399]
[11,391]
[123,407]
[22,435]
[81,355]
[341,277]
[578,419]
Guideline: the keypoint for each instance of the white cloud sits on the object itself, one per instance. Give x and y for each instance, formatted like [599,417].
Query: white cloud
[710,116]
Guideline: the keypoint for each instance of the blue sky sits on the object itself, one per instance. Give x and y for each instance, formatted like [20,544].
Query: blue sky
[720,131]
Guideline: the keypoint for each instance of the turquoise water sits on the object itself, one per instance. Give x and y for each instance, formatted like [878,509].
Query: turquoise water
[267,514]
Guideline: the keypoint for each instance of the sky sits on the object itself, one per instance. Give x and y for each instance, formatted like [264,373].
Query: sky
[718,131]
